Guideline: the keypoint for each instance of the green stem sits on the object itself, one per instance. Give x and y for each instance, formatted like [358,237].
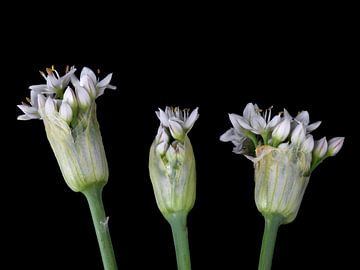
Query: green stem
[93,195]
[180,234]
[272,223]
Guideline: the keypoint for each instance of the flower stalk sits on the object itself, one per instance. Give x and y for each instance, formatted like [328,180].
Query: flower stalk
[180,235]
[272,223]
[93,196]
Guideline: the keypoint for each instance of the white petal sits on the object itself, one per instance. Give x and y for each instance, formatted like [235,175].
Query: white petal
[75,81]
[163,117]
[228,136]
[88,72]
[24,117]
[249,111]
[105,82]
[67,77]
[276,120]
[313,126]
[41,101]
[303,117]
[89,85]
[38,88]
[27,109]
[191,119]
[287,114]
[239,122]
[176,130]
[258,123]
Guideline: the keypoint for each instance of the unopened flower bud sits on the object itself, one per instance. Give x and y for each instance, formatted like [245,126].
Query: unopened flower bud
[320,148]
[83,98]
[281,131]
[335,144]
[172,167]
[308,144]
[298,134]
[70,98]
[65,112]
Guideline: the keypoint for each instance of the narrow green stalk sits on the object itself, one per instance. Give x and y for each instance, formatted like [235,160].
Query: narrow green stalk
[93,195]
[272,223]
[181,242]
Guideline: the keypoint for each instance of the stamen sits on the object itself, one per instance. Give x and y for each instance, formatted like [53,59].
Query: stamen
[49,71]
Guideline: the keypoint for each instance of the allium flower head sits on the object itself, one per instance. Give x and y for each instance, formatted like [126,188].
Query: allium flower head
[69,116]
[284,154]
[172,161]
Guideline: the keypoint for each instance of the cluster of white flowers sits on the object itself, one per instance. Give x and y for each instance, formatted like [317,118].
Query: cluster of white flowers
[174,125]
[282,131]
[56,96]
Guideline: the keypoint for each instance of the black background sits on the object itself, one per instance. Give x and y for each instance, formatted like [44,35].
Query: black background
[219,68]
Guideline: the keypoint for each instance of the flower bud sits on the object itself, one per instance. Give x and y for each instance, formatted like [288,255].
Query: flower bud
[65,112]
[280,180]
[70,98]
[172,162]
[281,131]
[320,148]
[83,98]
[79,151]
[298,134]
[50,106]
[335,144]
[308,144]
[173,177]
[176,130]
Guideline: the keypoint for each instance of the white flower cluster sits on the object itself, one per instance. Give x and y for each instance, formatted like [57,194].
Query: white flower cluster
[174,125]
[57,97]
[282,131]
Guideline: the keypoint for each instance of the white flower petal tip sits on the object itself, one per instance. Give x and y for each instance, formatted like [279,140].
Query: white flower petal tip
[335,145]
[190,121]
[303,117]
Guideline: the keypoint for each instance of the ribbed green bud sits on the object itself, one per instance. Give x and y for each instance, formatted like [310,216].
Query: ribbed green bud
[78,150]
[173,177]
[280,180]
